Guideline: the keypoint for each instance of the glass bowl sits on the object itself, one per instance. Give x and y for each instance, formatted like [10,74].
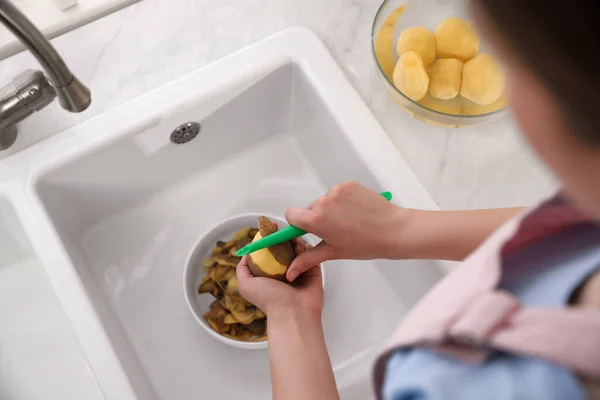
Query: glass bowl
[391,19]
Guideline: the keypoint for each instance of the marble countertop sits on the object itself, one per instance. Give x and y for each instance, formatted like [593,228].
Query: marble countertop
[54,17]
[152,42]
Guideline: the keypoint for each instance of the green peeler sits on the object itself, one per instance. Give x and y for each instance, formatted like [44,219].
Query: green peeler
[281,236]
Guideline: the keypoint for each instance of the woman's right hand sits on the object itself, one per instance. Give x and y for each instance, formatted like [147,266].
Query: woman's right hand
[354,223]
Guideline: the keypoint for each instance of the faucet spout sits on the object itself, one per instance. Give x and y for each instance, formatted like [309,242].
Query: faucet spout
[72,95]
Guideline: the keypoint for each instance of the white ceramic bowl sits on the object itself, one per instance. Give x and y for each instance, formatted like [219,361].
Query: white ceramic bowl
[194,271]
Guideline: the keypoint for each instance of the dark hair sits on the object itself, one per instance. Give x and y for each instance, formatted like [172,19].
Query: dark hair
[560,43]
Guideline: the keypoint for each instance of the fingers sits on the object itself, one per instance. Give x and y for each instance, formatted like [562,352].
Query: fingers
[243,273]
[313,272]
[299,246]
[308,259]
[298,217]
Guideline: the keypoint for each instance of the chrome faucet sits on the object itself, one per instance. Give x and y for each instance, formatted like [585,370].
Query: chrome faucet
[31,91]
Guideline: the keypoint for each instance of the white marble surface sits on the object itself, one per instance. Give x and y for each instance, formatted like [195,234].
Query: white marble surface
[55,17]
[150,43]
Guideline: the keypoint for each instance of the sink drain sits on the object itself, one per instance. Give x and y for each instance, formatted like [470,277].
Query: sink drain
[185,132]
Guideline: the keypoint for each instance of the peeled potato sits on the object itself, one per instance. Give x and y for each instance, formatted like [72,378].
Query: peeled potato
[445,78]
[418,39]
[483,80]
[456,38]
[272,262]
[410,76]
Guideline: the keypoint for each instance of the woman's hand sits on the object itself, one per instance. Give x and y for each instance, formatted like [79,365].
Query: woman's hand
[300,365]
[354,223]
[357,223]
[273,296]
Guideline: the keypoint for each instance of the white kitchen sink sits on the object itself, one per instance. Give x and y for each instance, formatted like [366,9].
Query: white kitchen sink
[39,353]
[114,207]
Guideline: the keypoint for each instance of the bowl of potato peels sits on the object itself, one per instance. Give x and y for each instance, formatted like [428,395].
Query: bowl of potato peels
[211,287]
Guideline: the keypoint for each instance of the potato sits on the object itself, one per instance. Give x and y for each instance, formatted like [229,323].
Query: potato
[418,39]
[445,78]
[274,261]
[410,76]
[456,38]
[483,80]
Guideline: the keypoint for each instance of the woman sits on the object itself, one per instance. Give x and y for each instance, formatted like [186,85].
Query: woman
[520,318]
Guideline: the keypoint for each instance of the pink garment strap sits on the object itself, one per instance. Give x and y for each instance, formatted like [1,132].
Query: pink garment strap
[483,317]
[569,336]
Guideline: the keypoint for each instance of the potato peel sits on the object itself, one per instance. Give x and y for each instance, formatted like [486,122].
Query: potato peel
[230,314]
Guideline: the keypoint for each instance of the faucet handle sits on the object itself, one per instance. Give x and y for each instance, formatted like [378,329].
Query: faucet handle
[33,89]
[28,92]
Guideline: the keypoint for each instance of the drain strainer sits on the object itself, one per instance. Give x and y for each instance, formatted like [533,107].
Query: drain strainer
[185,132]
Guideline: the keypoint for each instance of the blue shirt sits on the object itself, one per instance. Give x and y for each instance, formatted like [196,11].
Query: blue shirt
[568,258]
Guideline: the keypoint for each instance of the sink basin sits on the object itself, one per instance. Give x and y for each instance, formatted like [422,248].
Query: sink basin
[40,356]
[114,207]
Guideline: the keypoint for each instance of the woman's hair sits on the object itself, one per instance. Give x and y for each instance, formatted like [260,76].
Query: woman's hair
[560,43]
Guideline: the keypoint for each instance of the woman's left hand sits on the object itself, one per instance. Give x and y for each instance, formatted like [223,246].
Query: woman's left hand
[273,296]
[295,331]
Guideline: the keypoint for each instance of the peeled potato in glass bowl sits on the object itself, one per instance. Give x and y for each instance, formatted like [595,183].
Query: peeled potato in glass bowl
[433,64]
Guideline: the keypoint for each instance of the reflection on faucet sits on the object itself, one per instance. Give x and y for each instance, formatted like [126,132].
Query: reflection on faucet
[31,91]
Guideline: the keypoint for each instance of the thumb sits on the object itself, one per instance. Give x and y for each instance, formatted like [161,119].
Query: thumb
[308,259]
